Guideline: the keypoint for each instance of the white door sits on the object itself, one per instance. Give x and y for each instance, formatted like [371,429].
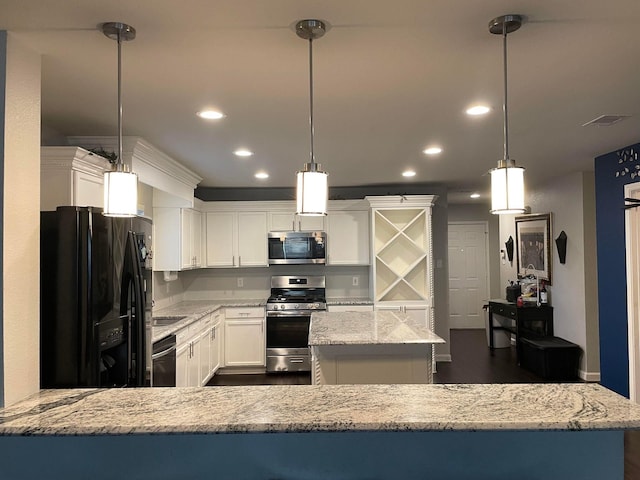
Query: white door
[632,229]
[468,274]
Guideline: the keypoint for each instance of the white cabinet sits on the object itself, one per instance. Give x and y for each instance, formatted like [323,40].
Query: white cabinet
[348,238]
[191,232]
[236,239]
[192,351]
[402,257]
[71,176]
[420,311]
[216,344]
[350,308]
[244,337]
[177,239]
[288,221]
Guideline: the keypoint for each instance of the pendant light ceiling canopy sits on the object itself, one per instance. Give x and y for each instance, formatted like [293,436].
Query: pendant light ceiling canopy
[312,186]
[507,180]
[120,185]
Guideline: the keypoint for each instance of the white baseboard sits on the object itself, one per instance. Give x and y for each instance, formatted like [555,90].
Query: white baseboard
[443,357]
[589,376]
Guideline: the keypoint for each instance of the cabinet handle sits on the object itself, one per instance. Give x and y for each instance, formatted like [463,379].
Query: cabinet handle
[293,225]
[233,260]
[239,260]
[299,225]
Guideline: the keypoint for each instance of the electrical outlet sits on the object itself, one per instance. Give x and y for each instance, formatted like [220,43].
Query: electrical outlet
[240,282]
[355,281]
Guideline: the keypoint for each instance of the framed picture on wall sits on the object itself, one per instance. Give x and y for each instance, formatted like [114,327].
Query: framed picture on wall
[533,251]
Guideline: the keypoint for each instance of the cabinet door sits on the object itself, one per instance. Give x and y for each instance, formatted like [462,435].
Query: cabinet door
[186,220]
[252,239]
[88,190]
[196,238]
[419,312]
[167,254]
[281,221]
[348,238]
[182,365]
[194,363]
[220,234]
[310,223]
[216,335]
[289,221]
[244,342]
[205,356]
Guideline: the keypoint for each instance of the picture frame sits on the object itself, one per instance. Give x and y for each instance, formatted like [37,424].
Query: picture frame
[533,246]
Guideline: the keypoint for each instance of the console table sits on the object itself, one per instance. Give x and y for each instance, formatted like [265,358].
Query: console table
[527,321]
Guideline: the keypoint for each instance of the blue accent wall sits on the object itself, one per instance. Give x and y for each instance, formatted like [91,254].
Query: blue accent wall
[613,171]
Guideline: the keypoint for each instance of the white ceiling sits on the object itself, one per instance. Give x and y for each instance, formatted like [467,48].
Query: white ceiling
[390,78]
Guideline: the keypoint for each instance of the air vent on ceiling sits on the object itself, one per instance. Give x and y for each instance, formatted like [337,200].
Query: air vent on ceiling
[605,120]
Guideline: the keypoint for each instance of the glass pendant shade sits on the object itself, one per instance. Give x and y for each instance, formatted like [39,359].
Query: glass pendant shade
[312,192]
[507,190]
[120,193]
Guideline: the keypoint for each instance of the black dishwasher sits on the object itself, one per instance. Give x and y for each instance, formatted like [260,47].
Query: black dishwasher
[164,362]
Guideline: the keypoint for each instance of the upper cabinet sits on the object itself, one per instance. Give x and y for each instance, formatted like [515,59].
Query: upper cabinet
[71,176]
[236,239]
[402,248]
[348,237]
[289,221]
[177,239]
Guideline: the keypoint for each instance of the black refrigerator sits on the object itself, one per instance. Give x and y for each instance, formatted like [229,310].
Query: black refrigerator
[95,299]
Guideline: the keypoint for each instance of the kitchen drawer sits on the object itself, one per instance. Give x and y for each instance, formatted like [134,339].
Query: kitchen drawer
[183,335]
[248,312]
[504,310]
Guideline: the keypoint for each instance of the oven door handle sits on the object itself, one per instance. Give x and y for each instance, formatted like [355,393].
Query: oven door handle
[163,353]
[293,313]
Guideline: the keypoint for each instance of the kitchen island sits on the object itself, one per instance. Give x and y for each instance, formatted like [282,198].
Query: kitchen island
[551,431]
[370,347]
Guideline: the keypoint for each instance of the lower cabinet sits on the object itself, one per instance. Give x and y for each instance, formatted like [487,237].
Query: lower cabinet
[350,308]
[198,351]
[419,311]
[244,337]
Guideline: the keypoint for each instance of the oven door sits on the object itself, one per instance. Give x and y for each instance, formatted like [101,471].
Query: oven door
[288,341]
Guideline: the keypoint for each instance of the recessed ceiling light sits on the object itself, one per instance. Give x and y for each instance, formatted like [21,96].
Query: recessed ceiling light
[243,152]
[409,173]
[478,110]
[262,175]
[474,195]
[432,150]
[210,114]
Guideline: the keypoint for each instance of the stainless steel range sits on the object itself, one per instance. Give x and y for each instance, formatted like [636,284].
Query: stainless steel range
[289,309]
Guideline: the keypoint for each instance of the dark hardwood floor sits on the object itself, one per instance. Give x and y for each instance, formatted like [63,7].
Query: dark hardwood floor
[472,362]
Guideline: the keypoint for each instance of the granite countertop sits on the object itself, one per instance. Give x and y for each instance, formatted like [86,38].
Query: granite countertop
[349,301]
[321,408]
[381,327]
[194,310]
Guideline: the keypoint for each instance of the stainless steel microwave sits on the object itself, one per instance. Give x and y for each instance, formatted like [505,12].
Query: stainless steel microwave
[294,248]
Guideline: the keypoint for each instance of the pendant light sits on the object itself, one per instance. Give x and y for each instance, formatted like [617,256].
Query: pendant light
[120,185]
[507,180]
[312,188]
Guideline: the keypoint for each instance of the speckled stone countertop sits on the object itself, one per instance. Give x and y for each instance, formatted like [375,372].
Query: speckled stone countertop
[326,408]
[380,327]
[349,301]
[194,310]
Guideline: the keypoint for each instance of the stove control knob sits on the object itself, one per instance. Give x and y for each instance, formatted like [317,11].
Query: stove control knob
[296,306]
[315,305]
[282,307]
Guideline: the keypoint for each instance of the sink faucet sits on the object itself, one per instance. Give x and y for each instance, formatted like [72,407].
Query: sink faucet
[537,283]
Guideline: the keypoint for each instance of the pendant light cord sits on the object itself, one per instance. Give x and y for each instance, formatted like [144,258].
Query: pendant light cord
[120,98]
[311,97]
[504,106]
